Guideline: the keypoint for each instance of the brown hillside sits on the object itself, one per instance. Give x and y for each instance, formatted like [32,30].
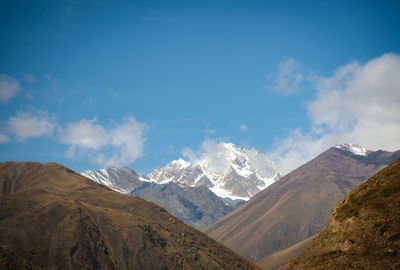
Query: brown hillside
[297,206]
[364,229]
[54,218]
[281,258]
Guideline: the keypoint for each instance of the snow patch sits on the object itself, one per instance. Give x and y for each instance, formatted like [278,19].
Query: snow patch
[352,148]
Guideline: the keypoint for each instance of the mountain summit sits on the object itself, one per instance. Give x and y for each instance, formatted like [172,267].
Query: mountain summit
[352,148]
[228,171]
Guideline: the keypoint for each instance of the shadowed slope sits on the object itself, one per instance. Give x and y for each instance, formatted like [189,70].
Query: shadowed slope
[54,218]
[196,206]
[364,229]
[297,206]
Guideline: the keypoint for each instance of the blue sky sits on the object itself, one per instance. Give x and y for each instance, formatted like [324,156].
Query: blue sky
[93,83]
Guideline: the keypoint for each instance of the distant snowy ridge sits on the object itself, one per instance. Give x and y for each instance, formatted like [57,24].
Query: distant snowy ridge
[352,148]
[227,170]
[121,179]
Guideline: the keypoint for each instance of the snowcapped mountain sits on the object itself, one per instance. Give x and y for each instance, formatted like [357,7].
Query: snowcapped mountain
[227,170]
[196,206]
[120,179]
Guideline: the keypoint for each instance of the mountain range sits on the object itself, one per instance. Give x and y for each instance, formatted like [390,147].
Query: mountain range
[229,172]
[201,192]
[298,205]
[54,218]
[196,206]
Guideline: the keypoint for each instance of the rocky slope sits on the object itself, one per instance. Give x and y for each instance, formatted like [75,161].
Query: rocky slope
[196,206]
[298,205]
[364,229]
[54,218]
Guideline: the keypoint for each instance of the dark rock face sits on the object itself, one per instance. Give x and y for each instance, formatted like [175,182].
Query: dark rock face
[363,230]
[298,205]
[54,218]
[196,206]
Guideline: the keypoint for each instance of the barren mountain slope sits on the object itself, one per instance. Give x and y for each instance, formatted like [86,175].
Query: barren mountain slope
[54,218]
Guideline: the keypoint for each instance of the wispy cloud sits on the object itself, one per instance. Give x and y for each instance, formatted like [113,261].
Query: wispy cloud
[209,129]
[9,87]
[290,77]
[243,127]
[359,103]
[214,151]
[29,78]
[4,138]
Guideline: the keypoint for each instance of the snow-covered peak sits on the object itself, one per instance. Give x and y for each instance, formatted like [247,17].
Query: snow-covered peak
[352,148]
[215,166]
[179,163]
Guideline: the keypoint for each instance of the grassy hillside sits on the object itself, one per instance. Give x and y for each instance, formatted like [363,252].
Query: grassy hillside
[364,229]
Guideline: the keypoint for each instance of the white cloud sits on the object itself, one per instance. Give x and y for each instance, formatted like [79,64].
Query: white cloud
[85,134]
[8,87]
[171,149]
[4,138]
[126,141]
[209,130]
[71,152]
[360,103]
[243,127]
[32,123]
[290,77]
